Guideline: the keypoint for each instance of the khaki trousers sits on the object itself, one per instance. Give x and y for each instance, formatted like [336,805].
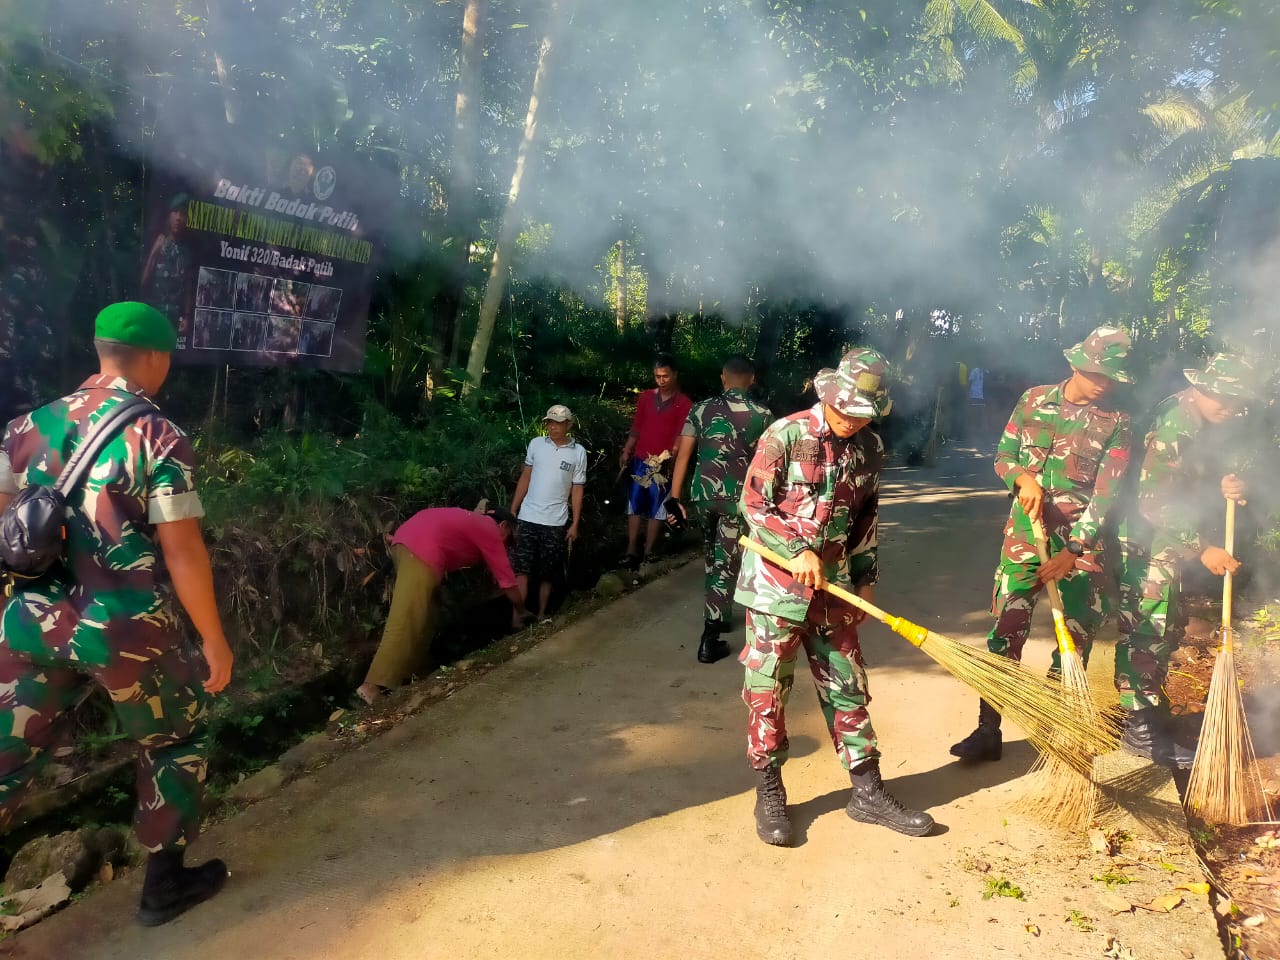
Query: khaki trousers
[411,622]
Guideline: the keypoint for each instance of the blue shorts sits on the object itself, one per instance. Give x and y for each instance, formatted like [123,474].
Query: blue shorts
[645,501]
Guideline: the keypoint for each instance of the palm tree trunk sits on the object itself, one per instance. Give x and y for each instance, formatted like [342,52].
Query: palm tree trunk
[496,283]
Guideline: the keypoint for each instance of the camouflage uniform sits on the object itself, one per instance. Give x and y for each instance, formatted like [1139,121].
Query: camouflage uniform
[1079,455]
[104,616]
[726,428]
[808,489]
[1176,490]
[170,287]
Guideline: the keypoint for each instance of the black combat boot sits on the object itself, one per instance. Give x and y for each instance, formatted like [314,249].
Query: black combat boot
[986,742]
[712,648]
[773,826]
[1148,733]
[170,888]
[871,803]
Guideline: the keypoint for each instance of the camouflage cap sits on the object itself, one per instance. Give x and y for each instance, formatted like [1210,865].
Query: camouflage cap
[1104,351]
[858,387]
[1227,375]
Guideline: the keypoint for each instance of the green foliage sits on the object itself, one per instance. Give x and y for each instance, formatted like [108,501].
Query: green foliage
[1112,878]
[53,100]
[1000,887]
[1081,921]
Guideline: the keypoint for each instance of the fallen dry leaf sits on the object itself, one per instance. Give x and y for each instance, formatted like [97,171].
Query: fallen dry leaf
[1098,840]
[1200,888]
[1032,929]
[1115,903]
[1163,903]
[336,715]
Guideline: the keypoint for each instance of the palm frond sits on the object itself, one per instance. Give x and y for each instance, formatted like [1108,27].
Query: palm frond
[1175,114]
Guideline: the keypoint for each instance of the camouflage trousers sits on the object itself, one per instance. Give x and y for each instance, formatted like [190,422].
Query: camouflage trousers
[1151,626]
[722,557]
[1013,603]
[829,638]
[159,702]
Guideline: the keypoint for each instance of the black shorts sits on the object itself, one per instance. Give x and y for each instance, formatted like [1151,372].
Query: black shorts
[540,551]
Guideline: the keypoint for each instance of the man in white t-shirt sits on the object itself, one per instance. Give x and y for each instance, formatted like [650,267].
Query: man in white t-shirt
[548,494]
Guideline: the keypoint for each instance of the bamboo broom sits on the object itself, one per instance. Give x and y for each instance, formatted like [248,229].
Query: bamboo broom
[1051,722]
[1225,786]
[1056,792]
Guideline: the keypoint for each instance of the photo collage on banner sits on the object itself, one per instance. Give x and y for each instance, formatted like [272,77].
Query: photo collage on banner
[250,313]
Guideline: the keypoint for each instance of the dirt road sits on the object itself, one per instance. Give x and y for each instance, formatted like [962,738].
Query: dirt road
[591,799]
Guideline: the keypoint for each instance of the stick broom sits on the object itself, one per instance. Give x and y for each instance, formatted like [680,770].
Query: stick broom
[1056,792]
[1036,704]
[1225,786]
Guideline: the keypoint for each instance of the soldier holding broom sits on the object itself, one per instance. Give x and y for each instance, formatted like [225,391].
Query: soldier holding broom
[1177,493]
[1063,454]
[812,496]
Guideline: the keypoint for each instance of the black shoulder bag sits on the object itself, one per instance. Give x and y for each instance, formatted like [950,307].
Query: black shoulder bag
[33,528]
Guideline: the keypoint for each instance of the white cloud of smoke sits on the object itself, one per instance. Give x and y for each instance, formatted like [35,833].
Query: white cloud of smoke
[729,141]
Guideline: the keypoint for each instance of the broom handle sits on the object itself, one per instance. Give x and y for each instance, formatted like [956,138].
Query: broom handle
[1065,643]
[912,631]
[1226,580]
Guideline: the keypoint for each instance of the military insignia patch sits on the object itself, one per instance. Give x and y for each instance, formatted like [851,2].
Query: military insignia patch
[806,450]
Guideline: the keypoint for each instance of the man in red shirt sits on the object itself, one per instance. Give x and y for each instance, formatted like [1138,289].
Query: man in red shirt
[655,430]
[426,547]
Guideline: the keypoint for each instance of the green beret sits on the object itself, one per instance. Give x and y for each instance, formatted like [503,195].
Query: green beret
[135,325]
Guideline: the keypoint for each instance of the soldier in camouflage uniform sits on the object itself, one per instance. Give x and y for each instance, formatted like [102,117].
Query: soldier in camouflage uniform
[105,617]
[1064,454]
[723,431]
[168,276]
[812,496]
[1177,497]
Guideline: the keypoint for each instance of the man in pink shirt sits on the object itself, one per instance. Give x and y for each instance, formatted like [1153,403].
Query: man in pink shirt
[426,547]
[659,418]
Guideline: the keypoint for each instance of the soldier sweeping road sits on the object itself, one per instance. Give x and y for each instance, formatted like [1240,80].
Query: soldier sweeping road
[1064,454]
[106,616]
[812,496]
[723,432]
[1177,495]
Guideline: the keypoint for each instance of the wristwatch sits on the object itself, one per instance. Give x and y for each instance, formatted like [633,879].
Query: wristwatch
[1075,548]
